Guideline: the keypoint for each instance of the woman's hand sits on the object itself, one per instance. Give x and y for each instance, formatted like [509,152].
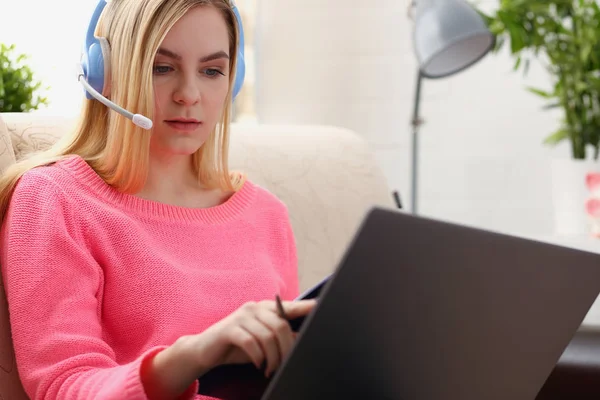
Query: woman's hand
[254,333]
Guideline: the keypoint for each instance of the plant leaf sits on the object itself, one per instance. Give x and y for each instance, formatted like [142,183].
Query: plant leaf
[540,92]
[18,87]
[557,137]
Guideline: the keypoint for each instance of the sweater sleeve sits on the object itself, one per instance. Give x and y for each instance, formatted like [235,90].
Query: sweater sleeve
[54,290]
[290,271]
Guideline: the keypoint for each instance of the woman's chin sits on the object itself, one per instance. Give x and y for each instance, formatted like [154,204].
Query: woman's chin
[188,151]
[180,148]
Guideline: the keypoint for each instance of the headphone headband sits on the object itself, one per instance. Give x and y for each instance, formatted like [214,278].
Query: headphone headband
[95,62]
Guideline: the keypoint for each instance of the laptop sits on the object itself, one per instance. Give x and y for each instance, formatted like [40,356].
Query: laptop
[420,309]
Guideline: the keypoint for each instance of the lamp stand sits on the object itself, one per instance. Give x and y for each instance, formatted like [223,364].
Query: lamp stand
[416,122]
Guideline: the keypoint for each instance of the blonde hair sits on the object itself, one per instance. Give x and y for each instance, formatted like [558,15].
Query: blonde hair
[112,145]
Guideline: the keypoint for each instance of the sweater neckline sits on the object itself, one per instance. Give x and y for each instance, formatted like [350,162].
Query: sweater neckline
[228,210]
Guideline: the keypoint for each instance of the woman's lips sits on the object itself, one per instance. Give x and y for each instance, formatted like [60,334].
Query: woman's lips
[184,126]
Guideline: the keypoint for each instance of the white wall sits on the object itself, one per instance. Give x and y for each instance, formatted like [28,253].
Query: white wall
[52,33]
[351,64]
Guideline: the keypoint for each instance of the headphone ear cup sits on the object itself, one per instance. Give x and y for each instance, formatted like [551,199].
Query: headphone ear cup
[106,62]
[240,73]
[240,70]
[93,67]
[96,66]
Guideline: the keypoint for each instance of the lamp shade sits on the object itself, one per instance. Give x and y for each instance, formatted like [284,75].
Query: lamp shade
[449,36]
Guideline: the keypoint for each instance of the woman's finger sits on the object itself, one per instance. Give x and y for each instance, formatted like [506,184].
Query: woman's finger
[267,340]
[247,342]
[282,330]
[295,309]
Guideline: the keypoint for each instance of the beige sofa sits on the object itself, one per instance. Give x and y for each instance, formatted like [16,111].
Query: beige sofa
[327,176]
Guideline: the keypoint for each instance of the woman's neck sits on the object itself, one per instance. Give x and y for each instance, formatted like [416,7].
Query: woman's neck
[172,180]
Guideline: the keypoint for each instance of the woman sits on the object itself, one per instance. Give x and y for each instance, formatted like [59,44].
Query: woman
[133,261]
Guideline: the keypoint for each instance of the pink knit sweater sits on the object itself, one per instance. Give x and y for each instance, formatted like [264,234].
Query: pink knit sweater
[97,280]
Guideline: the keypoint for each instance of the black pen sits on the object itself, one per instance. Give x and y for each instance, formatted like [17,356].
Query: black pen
[282,313]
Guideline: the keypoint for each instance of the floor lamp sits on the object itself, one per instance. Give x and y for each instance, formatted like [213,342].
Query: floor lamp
[448,37]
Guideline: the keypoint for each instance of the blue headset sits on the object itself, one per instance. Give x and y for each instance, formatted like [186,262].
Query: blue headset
[95,63]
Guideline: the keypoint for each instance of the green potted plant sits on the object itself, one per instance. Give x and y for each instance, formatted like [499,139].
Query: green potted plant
[564,36]
[19,91]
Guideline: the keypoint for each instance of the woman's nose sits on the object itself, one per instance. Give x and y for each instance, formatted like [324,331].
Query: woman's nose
[187,92]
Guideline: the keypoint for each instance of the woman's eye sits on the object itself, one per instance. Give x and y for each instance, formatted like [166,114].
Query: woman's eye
[162,69]
[212,72]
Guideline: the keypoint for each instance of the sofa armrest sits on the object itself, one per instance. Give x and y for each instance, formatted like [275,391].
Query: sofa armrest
[7,154]
[577,373]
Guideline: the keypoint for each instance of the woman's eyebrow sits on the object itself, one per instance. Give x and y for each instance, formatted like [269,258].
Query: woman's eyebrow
[210,57]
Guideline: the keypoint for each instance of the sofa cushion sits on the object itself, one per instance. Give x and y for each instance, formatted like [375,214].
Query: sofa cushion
[7,155]
[327,176]
[30,133]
